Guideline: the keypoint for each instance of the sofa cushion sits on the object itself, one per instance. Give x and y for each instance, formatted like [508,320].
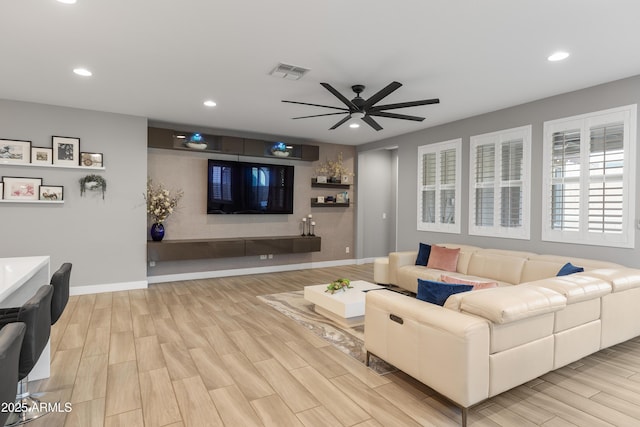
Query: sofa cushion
[477,284]
[443,258]
[511,303]
[499,267]
[423,254]
[620,279]
[576,288]
[568,269]
[438,292]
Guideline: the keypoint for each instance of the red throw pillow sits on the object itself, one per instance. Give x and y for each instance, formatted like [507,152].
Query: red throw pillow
[443,258]
[475,283]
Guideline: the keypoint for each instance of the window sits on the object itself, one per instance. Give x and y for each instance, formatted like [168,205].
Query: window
[589,173]
[439,187]
[499,183]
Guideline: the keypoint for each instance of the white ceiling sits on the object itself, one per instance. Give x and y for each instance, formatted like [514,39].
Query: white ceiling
[161,59]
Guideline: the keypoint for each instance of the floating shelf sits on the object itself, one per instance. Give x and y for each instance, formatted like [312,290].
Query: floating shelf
[51,202]
[32,165]
[316,184]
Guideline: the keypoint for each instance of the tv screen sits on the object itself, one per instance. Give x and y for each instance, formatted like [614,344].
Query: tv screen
[249,188]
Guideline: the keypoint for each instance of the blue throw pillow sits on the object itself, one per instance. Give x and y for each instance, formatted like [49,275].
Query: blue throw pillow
[569,268]
[423,254]
[438,292]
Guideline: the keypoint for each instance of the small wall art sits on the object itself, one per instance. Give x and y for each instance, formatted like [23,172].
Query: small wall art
[52,192]
[41,156]
[66,150]
[16,188]
[91,160]
[15,151]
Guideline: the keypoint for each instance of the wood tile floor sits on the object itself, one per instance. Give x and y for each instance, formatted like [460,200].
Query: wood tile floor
[208,353]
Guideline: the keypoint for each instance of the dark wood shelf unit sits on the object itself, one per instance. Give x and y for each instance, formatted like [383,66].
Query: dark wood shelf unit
[315,204]
[316,184]
[222,144]
[179,250]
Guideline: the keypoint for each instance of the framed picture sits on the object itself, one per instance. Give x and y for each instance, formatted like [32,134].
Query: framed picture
[15,151]
[21,188]
[1,191]
[41,155]
[321,180]
[320,199]
[91,160]
[66,150]
[342,197]
[51,192]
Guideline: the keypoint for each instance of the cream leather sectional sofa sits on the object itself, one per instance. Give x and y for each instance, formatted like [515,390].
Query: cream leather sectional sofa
[484,342]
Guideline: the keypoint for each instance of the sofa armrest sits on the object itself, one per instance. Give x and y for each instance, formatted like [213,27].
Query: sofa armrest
[444,349]
[397,260]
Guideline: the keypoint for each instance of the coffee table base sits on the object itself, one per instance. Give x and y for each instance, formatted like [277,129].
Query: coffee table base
[345,323]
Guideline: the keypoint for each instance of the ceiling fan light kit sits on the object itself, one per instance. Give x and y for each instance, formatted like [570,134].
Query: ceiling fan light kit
[366,109]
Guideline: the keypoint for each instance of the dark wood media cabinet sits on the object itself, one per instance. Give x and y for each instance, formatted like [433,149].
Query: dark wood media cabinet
[178,250]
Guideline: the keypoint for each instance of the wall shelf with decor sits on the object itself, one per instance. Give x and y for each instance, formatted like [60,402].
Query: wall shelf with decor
[50,202]
[316,204]
[315,183]
[35,165]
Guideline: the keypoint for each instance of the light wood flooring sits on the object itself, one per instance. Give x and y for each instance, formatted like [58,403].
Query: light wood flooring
[208,353]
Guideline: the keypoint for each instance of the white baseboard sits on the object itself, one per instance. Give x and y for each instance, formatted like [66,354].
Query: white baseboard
[247,271]
[107,287]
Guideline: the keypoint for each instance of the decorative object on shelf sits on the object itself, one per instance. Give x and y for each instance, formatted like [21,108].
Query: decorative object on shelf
[342,197]
[51,192]
[339,285]
[321,179]
[41,156]
[15,151]
[93,183]
[334,169]
[18,188]
[304,227]
[157,232]
[160,204]
[66,150]
[320,199]
[196,141]
[91,160]
[312,227]
[280,149]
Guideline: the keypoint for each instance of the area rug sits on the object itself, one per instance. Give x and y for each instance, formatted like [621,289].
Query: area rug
[347,340]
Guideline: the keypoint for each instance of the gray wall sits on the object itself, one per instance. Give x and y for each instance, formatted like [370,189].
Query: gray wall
[614,94]
[104,239]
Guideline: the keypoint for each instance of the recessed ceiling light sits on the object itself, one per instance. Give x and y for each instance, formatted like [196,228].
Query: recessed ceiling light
[82,72]
[210,103]
[558,56]
[354,125]
[67,1]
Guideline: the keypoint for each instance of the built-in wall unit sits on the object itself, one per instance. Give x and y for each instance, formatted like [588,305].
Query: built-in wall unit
[211,234]
[104,238]
[549,203]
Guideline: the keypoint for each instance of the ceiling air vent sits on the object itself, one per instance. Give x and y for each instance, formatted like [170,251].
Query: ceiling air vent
[291,72]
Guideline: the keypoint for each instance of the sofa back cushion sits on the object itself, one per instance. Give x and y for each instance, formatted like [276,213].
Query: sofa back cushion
[464,256]
[497,266]
[443,258]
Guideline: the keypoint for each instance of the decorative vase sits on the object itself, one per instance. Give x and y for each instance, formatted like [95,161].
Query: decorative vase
[157,232]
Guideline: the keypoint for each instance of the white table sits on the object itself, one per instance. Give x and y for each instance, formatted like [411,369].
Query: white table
[346,308]
[20,278]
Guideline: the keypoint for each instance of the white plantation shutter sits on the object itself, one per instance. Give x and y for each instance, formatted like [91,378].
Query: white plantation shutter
[499,182]
[589,167]
[439,187]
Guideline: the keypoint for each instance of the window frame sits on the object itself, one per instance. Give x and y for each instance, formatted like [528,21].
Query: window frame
[522,232]
[438,148]
[626,115]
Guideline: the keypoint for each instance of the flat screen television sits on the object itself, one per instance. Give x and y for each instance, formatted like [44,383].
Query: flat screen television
[249,188]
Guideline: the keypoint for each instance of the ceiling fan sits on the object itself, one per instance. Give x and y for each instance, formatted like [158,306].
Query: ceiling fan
[366,109]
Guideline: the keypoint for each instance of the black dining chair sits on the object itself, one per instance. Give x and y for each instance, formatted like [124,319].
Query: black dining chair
[60,283]
[36,315]
[11,337]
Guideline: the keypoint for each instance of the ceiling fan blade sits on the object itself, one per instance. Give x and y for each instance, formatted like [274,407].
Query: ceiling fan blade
[316,105]
[381,94]
[340,96]
[405,104]
[340,122]
[395,116]
[369,120]
[319,115]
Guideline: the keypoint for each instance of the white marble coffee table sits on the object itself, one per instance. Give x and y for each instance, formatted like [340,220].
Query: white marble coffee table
[346,308]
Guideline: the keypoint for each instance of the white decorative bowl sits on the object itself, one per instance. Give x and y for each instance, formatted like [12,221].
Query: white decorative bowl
[196,145]
[280,153]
